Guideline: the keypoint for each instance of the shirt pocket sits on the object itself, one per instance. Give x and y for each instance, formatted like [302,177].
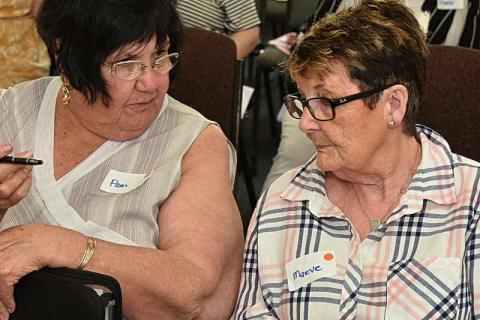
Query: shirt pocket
[423,289]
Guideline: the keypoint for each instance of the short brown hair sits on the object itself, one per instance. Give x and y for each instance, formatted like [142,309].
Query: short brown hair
[380,43]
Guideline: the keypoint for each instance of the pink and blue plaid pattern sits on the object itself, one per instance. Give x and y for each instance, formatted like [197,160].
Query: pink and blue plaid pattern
[422,263]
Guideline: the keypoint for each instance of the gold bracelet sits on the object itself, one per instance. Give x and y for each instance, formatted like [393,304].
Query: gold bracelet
[88,253]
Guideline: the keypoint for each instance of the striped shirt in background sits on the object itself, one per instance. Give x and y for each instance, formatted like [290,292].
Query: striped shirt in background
[222,16]
[423,263]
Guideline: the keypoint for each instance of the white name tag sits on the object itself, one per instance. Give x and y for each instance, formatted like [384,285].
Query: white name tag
[309,268]
[123,182]
[451,4]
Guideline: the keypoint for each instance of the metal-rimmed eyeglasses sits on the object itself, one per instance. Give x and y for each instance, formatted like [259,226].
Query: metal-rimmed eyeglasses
[132,69]
[322,109]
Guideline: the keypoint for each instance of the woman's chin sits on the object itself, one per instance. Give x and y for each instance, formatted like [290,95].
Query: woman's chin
[327,162]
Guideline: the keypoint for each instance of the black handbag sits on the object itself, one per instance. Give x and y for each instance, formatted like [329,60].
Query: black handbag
[67,294]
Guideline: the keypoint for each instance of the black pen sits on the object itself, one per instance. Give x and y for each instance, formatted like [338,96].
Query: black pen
[18,160]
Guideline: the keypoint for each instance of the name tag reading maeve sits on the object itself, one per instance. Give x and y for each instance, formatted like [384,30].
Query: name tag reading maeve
[309,268]
[123,182]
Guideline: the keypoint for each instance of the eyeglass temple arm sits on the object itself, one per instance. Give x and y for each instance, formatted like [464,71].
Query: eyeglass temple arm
[360,95]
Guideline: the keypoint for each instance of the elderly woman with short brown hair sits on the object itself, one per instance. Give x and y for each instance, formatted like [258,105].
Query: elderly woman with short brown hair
[383,222]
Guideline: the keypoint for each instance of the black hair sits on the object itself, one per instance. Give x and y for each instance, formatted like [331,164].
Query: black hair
[81,34]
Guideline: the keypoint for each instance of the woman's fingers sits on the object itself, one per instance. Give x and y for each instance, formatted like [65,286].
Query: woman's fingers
[6,300]
[15,180]
[4,314]
[7,304]
[6,169]
[15,188]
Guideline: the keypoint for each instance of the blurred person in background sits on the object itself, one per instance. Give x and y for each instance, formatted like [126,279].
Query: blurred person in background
[236,18]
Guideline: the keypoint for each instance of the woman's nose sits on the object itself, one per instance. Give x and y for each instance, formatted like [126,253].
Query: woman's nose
[149,79]
[308,122]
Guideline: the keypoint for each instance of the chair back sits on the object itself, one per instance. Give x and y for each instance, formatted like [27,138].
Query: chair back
[208,78]
[298,11]
[451,101]
[261,6]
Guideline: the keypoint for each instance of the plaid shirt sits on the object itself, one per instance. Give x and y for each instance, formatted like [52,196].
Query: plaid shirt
[422,263]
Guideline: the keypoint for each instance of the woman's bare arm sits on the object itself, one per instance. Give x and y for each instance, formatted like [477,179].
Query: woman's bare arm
[245,40]
[198,263]
[195,272]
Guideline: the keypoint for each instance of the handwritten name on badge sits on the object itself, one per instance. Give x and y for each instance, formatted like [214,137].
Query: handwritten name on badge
[451,4]
[309,268]
[123,182]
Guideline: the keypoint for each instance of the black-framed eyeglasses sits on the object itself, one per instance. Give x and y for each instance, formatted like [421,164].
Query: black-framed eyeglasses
[322,109]
[132,69]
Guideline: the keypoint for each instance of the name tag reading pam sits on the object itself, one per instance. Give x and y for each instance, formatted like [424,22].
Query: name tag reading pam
[123,182]
[309,268]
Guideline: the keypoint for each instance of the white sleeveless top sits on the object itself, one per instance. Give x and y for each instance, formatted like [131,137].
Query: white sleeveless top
[115,193]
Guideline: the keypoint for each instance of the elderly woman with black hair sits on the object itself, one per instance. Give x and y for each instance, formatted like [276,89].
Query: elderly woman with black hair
[383,222]
[129,172]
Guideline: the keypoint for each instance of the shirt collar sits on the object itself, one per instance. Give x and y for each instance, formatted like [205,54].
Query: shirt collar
[437,164]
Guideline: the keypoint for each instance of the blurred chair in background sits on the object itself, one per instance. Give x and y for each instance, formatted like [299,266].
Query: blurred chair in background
[451,102]
[276,16]
[209,79]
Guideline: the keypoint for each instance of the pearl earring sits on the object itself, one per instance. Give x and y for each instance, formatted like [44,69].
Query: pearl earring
[391,124]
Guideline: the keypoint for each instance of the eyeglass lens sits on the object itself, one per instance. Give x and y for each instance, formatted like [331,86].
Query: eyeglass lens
[318,107]
[130,70]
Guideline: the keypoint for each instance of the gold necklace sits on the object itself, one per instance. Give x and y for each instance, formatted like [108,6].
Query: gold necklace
[375,223]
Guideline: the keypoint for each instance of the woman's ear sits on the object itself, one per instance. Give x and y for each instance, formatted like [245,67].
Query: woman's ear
[397,96]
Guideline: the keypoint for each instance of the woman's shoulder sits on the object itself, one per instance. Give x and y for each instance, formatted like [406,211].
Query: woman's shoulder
[282,182]
[29,88]
[179,107]
[462,160]
[281,188]
[25,95]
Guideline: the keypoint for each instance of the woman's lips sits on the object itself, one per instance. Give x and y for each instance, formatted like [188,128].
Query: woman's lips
[321,146]
[141,105]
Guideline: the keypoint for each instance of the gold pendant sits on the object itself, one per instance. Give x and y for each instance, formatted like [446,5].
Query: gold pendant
[374,224]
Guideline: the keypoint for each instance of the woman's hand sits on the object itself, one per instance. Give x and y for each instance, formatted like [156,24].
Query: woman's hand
[26,248]
[20,254]
[15,180]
